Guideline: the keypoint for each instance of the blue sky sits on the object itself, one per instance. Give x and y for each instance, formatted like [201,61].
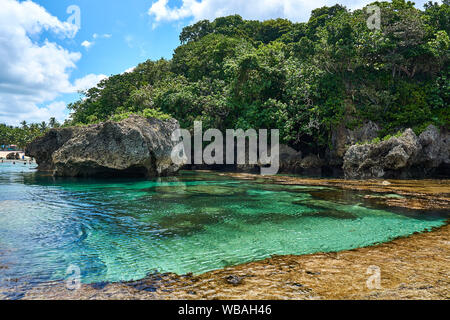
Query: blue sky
[132,37]
[45,59]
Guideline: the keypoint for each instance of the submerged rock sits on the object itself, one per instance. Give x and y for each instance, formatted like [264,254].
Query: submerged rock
[234,280]
[399,157]
[135,146]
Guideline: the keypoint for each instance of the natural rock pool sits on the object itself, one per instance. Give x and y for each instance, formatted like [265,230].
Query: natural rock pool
[120,230]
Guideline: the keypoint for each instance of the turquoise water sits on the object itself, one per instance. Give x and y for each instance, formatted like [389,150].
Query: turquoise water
[118,230]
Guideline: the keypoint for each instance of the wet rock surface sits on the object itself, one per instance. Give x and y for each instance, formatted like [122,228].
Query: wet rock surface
[135,146]
[423,194]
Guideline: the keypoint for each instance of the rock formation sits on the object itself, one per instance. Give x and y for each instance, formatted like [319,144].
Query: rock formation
[290,159]
[135,146]
[400,157]
[342,138]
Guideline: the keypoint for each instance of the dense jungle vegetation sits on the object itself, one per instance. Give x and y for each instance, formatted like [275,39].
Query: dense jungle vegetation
[302,78]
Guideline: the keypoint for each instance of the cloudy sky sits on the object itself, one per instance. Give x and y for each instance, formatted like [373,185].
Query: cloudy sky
[49,50]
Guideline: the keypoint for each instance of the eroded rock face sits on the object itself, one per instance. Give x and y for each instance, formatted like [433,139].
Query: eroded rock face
[435,148]
[135,146]
[403,157]
[43,148]
[342,138]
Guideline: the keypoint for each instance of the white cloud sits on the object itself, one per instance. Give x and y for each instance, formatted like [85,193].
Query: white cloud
[129,70]
[33,18]
[294,10]
[30,112]
[105,35]
[87,44]
[89,81]
[33,71]
[55,109]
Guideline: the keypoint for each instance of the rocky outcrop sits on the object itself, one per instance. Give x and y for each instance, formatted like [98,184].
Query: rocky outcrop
[435,148]
[342,138]
[135,146]
[311,165]
[399,157]
[290,159]
[42,148]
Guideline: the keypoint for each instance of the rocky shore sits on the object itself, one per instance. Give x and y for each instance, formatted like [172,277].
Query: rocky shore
[405,156]
[360,154]
[142,147]
[410,268]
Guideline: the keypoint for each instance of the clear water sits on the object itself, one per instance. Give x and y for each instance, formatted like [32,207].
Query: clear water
[118,230]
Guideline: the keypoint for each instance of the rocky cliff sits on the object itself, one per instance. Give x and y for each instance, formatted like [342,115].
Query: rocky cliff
[406,156]
[135,146]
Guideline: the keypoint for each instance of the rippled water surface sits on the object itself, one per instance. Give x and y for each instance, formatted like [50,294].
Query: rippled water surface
[116,230]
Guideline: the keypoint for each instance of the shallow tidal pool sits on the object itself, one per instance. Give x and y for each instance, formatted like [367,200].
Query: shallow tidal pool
[120,230]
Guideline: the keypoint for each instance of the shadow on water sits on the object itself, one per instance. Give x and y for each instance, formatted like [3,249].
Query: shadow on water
[375,201]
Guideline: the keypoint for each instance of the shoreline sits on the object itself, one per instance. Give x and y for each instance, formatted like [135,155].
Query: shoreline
[3,159]
[412,267]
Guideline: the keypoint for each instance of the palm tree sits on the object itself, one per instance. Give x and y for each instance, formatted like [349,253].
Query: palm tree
[43,126]
[24,124]
[53,123]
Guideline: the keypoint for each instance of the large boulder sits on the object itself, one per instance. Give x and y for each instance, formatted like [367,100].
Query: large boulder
[406,156]
[42,148]
[135,146]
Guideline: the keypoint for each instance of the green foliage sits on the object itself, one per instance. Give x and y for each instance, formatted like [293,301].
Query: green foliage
[147,113]
[385,138]
[302,78]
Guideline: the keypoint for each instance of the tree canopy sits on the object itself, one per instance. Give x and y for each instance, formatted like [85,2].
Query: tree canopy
[302,78]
